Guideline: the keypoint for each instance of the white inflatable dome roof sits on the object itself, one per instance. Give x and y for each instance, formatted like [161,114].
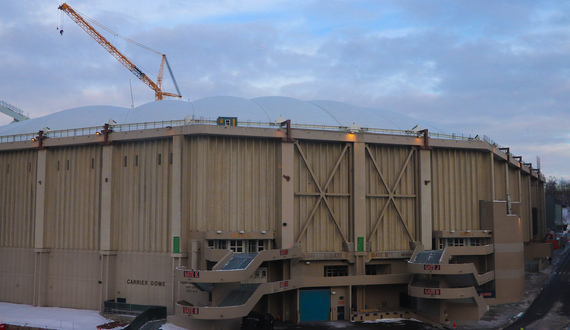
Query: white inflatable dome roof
[262,109]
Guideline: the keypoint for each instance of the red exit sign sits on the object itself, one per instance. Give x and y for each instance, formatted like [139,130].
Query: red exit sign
[283,284]
[432,292]
[191,310]
[432,267]
[191,274]
[284,252]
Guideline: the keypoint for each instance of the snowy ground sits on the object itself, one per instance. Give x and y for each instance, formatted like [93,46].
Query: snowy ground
[55,318]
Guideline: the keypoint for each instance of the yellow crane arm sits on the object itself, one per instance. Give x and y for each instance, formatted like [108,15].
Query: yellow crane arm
[156,87]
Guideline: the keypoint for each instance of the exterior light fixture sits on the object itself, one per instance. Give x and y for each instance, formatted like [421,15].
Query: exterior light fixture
[241,231]
[219,232]
[263,232]
[168,127]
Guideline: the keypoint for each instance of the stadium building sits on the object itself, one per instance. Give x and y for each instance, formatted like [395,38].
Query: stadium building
[306,210]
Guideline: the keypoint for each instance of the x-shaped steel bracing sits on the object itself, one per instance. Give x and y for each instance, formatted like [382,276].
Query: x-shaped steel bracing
[322,193]
[391,194]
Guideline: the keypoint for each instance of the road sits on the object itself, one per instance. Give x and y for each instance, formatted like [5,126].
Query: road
[551,308]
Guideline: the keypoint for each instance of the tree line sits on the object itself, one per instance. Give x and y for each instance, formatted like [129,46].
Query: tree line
[559,189]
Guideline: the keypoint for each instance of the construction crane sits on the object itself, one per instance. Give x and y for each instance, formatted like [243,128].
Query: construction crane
[12,111]
[81,20]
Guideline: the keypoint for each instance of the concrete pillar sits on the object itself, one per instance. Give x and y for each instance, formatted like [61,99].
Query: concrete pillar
[359,217]
[359,199]
[426,224]
[176,206]
[41,248]
[106,198]
[287,195]
[106,252]
[492,174]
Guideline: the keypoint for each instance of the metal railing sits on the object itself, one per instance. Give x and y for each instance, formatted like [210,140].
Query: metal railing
[176,123]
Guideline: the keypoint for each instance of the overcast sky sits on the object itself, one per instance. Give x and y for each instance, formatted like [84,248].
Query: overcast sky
[495,68]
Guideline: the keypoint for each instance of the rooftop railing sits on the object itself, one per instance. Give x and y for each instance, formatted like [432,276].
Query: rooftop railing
[202,121]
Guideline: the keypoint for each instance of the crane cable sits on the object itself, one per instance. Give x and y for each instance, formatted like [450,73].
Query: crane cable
[87,18]
[115,34]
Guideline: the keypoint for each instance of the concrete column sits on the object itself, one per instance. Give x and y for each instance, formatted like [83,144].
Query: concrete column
[426,221]
[359,199]
[359,217]
[492,172]
[106,198]
[39,236]
[41,248]
[107,254]
[287,195]
[176,184]
[108,260]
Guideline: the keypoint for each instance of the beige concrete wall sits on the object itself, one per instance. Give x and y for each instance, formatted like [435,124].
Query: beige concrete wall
[230,184]
[17,198]
[17,275]
[73,279]
[392,203]
[460,181]
[322,196]
[72,198]
[141,196]
[144,278]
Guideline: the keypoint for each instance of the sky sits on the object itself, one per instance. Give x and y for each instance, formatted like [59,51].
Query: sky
[476,67]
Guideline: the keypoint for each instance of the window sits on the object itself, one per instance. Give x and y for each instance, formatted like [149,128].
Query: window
[239,245]
[236,246]
[334,271]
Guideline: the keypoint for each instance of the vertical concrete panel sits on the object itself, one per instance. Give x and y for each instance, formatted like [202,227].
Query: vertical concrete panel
[72,197]
[73,279]
[231,183]
[17,275]
[141,188]
[459,182]
[500,180]
[17,198]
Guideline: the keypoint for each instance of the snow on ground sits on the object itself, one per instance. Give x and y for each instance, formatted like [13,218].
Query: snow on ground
[55,318]
[50,317]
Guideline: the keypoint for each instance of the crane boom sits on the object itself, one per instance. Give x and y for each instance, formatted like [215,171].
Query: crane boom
[156,87]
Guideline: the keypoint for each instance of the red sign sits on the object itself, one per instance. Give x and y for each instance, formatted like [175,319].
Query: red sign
[432,267]
[340,303]
[432,292]
[284,284]
[191,274]
[2,326]
[284,252]
[191,310]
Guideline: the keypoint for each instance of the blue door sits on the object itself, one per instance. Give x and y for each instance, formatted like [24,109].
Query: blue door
[314,305]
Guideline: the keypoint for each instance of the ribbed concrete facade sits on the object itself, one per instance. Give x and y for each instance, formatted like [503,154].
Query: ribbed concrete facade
[83,221]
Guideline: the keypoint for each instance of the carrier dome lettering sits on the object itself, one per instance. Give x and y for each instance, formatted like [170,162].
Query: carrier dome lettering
[145,282]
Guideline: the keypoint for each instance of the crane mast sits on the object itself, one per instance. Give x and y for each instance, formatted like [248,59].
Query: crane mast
[156,87]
